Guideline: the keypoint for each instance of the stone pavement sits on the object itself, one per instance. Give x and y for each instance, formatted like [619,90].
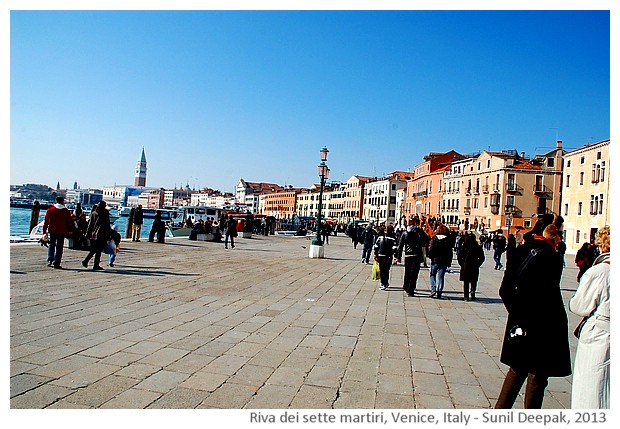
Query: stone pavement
[192,325]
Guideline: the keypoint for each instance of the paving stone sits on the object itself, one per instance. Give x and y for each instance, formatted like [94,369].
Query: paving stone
[132,399]
[314,397]
[40,397]
[96,394]
[203,380]
[162,381]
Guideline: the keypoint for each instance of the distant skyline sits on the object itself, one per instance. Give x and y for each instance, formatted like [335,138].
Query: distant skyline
[214,96]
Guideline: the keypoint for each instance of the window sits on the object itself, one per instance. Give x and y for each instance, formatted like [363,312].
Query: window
[579,208]
[577,235]
[600,204]
[527,223]
[567,180]
[598,155]
[486,202]
[602,171]
[568,163]
[582,160]
[479,165]
[565,209]
[581,178]
[550,162]
[593,205]
[510,200]
[476,203]
[488,163]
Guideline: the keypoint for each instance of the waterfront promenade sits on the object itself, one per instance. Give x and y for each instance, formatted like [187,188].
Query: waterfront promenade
[192,325]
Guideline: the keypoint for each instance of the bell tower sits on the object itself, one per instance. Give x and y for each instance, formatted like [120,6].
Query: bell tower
[140,179]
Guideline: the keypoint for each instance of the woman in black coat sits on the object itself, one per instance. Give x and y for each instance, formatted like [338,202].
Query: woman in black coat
[99,232]
[470,258]
[535,345]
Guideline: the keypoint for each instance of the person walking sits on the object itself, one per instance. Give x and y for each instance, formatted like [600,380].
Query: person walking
[57,224]
[411,243]
[499,247]
[138,220]
[98,232]
[591,382]
[368,238]
[440,253]
[384,251]
[112,245]
[231,232]
[535,344]
[158,227]
[470,258]
[584,259]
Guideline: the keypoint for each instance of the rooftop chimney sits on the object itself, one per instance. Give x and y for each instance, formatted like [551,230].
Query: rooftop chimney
[558,144]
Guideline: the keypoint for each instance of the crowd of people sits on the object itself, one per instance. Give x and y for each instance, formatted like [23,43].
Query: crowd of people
[535,345]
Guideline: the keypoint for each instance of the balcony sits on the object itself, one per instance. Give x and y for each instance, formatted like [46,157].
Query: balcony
[485,189]
[477,191]
[420,194]
[468,190]
[513,188]
[543,191]
[513,210]
[466,211]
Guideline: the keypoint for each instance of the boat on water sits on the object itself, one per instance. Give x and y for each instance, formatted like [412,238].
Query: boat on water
[194,213]
[149,213]
[24,203]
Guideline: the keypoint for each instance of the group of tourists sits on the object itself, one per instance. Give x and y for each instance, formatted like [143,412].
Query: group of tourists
[536,339]
[96,235]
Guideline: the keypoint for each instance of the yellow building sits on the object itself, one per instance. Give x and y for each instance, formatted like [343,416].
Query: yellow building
[585,193]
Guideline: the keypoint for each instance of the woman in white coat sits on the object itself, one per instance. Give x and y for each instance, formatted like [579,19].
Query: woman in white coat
[591,372]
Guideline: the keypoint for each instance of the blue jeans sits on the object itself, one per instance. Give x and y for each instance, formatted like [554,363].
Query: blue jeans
[497,257]
[438,272]
[55,247]
[232,240]
[366,252]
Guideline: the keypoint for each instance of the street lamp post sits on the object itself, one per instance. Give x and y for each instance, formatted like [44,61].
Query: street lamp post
[316,248]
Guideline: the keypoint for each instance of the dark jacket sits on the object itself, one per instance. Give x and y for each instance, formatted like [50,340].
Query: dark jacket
[470,258]
[99,225]
[411,243]
[440,250]
[369,236]
[385,246]
[531,294]
[138,216]
[231,227]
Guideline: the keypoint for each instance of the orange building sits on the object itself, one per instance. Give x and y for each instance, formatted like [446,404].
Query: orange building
[353,200]
[424,191]
[281,204]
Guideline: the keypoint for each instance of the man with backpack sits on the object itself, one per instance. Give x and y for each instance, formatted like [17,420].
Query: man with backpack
[499,247]
[412,241]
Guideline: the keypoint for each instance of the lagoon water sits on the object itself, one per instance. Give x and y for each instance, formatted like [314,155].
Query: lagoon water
[20,222]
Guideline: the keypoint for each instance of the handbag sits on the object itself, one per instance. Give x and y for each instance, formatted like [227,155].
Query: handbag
[375,273]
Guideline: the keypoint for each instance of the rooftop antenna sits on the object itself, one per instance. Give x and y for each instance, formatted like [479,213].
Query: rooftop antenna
[556,132]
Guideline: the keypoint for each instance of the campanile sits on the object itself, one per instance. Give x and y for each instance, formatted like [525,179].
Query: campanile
[140,179]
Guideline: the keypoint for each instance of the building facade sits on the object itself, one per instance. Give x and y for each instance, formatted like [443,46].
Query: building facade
[586,193]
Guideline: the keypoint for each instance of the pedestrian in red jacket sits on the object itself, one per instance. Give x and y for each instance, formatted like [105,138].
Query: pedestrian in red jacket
[57,224]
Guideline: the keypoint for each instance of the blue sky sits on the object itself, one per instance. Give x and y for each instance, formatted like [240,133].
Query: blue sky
[213,96]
